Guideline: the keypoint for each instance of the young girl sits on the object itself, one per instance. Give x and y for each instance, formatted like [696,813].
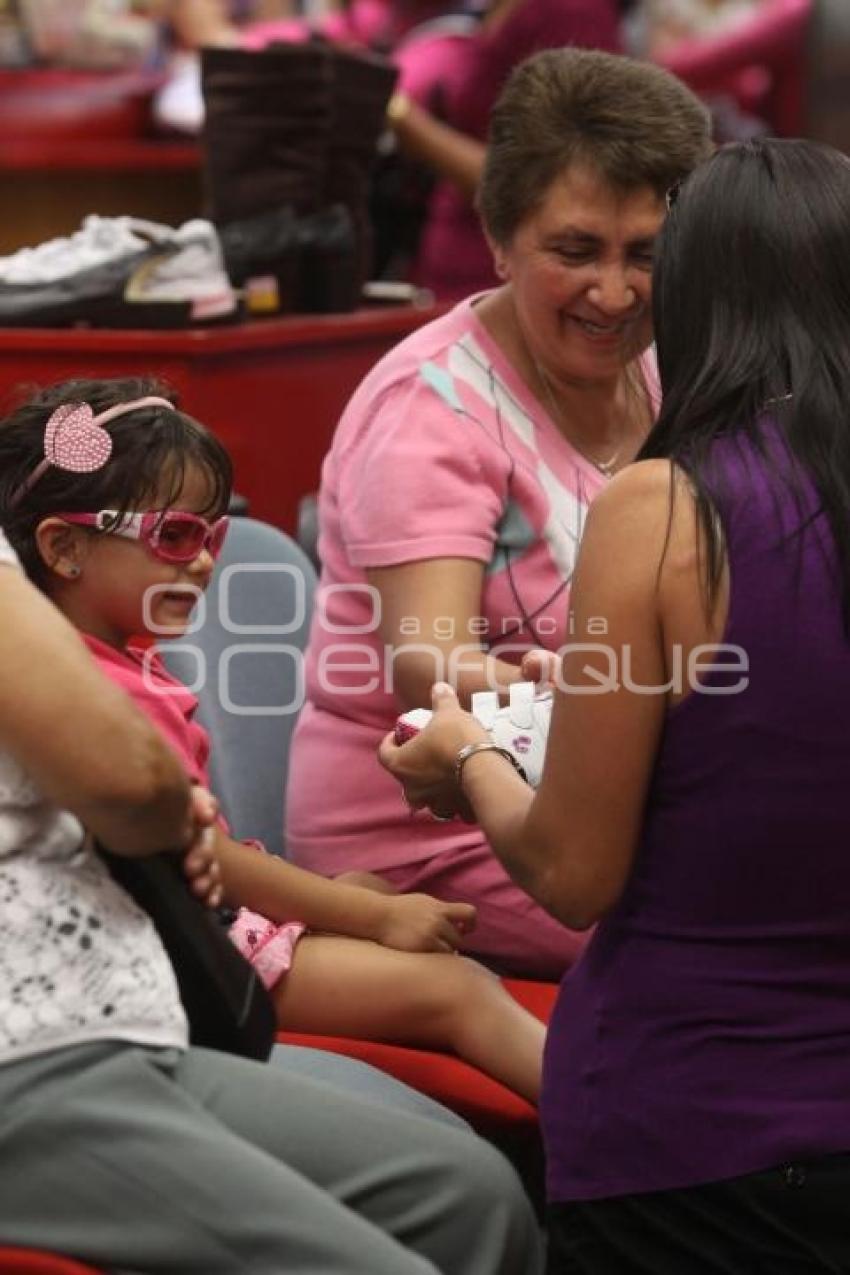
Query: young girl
[115,502]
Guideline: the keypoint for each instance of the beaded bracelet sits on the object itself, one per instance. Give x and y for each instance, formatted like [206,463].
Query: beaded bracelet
[485,746]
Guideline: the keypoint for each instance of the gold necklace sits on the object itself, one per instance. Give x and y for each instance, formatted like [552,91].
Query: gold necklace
[605,467]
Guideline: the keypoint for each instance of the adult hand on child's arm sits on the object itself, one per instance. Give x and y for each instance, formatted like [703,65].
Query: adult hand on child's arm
[200,859]
[449,152]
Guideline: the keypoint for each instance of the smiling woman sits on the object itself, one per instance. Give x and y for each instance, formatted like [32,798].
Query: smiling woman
[577,313]
[459,481]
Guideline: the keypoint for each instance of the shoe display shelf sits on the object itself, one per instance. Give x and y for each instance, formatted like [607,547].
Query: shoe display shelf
[77,142]
[272,390]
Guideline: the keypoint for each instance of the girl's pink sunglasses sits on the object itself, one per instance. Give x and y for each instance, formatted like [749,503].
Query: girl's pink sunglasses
[171,535]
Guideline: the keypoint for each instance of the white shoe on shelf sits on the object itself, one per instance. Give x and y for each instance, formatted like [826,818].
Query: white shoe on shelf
[118,272]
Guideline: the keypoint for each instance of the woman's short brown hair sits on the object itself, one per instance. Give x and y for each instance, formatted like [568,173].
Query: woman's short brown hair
[634,123]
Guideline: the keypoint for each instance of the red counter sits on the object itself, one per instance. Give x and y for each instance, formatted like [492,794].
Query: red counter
[272,391]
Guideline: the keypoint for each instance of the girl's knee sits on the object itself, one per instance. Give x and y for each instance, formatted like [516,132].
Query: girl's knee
[465,982]
[462,992]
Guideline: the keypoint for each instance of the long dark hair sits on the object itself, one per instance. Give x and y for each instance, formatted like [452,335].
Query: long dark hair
[152,447]
[751,305]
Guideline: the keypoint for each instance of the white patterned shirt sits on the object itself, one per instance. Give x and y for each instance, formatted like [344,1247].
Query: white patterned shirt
[78,960]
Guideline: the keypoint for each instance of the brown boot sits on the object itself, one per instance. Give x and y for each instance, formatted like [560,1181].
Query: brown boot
[362,86]
[337,244]
[268,116]
[290,139]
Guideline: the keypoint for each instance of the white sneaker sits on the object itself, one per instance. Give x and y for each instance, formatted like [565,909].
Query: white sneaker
[522,726]
[99,239]
[190,270]
[118,272]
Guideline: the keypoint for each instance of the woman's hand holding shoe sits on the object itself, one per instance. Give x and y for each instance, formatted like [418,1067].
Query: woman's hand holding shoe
[425,766]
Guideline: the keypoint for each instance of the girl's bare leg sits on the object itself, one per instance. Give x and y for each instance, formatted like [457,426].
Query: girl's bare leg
[351,987]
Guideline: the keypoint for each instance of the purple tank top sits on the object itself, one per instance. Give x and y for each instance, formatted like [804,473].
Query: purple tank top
[706,1031]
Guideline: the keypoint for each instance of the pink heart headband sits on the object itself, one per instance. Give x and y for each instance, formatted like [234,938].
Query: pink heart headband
[75,440]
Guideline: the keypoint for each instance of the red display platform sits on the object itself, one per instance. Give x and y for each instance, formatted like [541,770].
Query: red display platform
[272,391]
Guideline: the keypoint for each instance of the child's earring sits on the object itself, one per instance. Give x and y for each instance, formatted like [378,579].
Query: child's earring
[72,571]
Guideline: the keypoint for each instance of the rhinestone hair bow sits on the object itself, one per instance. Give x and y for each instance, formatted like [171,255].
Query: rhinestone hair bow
[75,440]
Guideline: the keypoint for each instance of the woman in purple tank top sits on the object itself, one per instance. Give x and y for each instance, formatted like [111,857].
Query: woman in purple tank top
[694,803]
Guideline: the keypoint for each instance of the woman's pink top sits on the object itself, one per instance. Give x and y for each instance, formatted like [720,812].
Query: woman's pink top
[443,452]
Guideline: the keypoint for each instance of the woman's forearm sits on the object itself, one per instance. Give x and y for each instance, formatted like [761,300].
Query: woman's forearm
[501,801]
[432,630]
[468,670]
[534,850]
[447,151]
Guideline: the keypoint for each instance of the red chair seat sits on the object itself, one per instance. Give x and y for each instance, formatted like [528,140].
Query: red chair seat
[485,1103]
[497,1113]
[26,1261]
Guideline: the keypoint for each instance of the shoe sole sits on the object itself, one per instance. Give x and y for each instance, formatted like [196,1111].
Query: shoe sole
[112,313]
